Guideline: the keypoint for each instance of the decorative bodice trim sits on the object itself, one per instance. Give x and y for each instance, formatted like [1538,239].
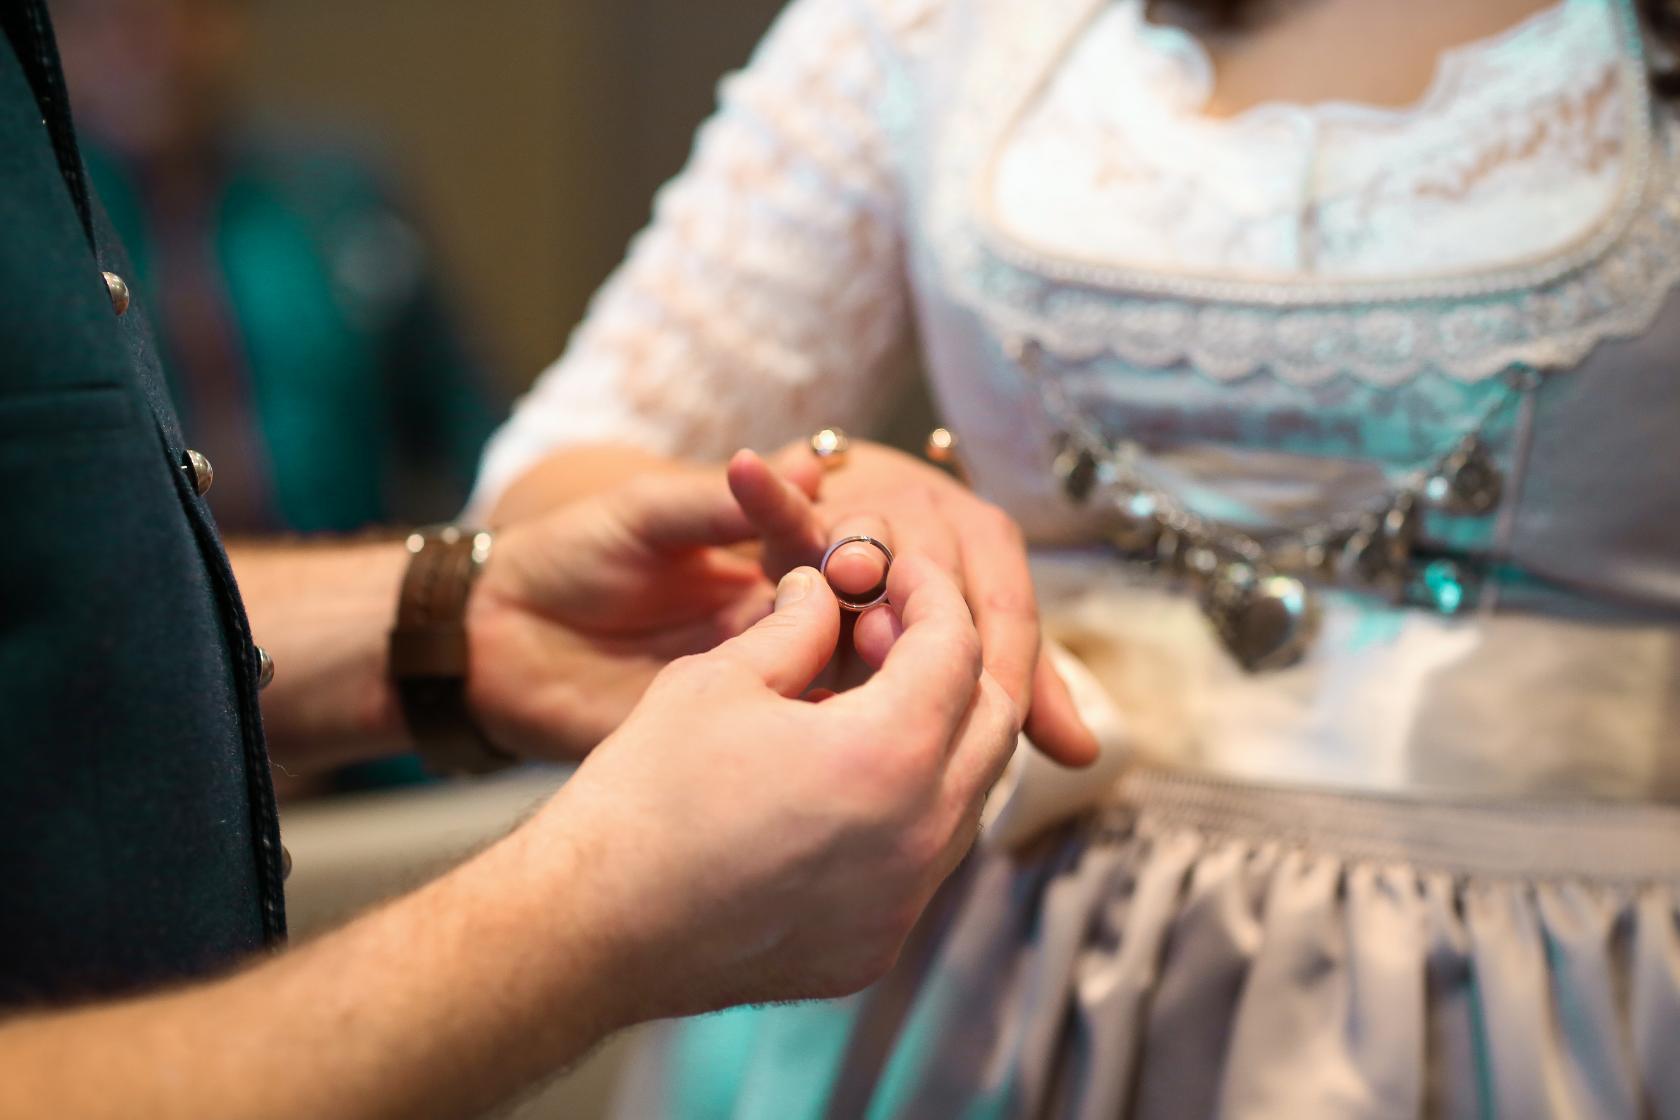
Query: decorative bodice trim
[1547,313]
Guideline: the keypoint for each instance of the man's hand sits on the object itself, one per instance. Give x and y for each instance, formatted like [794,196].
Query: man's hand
[749,845]
[578,609]
[730,843]
[912,506]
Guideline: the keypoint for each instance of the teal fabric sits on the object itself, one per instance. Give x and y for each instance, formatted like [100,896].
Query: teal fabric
[758,1063]
[710,1063]
[912,1053]
[370,405]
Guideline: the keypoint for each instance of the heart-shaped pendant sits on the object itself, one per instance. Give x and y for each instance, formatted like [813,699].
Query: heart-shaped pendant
[1076,468]
[1265,621]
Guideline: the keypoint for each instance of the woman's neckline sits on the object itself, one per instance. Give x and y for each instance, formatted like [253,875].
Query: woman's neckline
[1450,64]
[1025,70]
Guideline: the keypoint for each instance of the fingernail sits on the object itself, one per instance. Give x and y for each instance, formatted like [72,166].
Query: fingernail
[794,587]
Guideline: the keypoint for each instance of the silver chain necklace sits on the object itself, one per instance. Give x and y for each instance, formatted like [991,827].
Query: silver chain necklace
[1258,593]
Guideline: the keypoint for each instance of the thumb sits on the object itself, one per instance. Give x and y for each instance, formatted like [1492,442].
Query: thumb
[792,645]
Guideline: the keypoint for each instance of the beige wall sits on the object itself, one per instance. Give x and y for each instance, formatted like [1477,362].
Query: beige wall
[533,132]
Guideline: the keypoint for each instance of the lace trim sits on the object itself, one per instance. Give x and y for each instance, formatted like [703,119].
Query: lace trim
[1121,119]
[1457,68]
[1547,313]
[765,299]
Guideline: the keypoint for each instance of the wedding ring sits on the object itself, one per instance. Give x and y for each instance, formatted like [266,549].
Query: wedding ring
[830,446]
[857,604]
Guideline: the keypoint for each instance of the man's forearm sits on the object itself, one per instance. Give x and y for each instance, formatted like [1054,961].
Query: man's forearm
[323,610]
[324,613]
[437,1005]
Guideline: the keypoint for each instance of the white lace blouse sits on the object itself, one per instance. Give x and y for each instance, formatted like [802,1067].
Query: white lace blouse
[1513,153]
[1289,308]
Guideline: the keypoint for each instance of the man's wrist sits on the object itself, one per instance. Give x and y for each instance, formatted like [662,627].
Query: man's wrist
[323,611]
[615,956]
[429,650]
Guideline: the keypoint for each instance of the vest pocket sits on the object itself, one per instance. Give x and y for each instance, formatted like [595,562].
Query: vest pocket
[65,411]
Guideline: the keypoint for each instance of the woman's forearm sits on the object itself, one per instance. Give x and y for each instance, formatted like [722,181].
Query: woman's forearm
[570,473]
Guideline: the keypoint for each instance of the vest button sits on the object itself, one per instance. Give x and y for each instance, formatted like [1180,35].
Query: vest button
[199,470]
[285,863]
[118,288]
[265,668]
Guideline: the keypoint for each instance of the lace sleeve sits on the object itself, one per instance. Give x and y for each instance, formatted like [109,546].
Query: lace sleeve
[767,297]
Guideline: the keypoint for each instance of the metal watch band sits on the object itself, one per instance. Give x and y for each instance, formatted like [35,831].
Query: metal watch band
[428,662]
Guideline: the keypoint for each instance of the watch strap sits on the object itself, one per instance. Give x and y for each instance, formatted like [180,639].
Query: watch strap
[428,650]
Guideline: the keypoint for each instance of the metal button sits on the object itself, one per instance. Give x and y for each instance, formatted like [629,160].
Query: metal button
[198,469]
[285,863]
[265,668]
[118,288]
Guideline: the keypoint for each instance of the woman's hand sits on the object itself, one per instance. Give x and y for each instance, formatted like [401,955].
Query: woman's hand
[594,597]
[912,506]
[578,609]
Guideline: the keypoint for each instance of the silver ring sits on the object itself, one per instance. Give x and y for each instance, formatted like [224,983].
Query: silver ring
[875,595]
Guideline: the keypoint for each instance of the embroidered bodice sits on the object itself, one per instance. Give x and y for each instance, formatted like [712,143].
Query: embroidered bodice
[1288,308]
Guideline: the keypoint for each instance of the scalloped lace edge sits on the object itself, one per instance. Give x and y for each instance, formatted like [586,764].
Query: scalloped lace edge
[1471,336]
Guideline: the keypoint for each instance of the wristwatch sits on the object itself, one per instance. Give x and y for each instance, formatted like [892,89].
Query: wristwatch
[428,663]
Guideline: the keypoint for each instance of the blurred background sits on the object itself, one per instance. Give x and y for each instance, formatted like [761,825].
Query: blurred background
[361,227]
[532,133]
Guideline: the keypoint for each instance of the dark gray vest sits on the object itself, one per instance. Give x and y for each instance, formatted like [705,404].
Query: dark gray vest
[138,839]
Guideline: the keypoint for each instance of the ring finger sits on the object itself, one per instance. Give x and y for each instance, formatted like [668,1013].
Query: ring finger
[857,569]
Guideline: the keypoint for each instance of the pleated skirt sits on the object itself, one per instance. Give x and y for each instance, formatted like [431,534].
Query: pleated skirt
[1204,949]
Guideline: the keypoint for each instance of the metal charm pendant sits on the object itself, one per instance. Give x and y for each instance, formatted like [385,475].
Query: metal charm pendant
[1378,554]
[1469,482]
[1363,557]
[1136,527]
[1265,621]
[1076,469]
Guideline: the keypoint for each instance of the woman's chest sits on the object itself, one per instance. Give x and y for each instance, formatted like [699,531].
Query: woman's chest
[1268,396]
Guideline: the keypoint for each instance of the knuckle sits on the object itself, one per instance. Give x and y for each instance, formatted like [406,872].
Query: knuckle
[925,495]
[1014,601]
[698,673]
[678,670]
[774,625]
